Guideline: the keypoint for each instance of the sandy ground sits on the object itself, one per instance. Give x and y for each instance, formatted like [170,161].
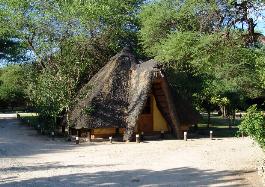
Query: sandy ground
[27,159]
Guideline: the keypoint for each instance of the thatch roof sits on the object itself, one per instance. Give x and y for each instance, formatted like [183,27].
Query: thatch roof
[116,95]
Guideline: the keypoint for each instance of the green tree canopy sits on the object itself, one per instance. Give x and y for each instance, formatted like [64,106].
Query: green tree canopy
[204,47]
[69,41]
[12,86]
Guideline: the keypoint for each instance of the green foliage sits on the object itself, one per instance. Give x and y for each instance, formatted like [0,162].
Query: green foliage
[53,90]
[69,42]
[49,94]
[253,124]
[260,69]
[12,87]
[43,25]
[223,101]
[204,57]
[163,17]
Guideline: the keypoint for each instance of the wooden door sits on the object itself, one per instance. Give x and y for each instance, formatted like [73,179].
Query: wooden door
[145,123]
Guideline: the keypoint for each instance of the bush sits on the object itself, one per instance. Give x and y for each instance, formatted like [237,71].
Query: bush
[253,125]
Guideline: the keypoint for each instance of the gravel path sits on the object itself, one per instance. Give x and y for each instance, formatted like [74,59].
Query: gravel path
[27,159]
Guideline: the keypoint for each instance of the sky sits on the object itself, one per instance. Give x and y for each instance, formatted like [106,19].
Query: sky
[261,24]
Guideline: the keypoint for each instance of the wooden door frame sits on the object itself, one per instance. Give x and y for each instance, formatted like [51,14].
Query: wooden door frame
[151,96]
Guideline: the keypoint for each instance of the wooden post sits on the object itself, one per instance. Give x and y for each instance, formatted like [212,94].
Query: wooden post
[137,138]
[52,135]
[211,135]
[77,140]
[39,129]
[185,136]
[142,136]
[63,129]
[69,139]
[162,135]
[242,134]
[117,132]
[110,139]
[89,136]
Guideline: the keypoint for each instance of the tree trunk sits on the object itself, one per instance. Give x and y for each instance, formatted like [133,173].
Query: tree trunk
[63,130]
[67,122]
[196,127]
[224,111]
[208,119]
[229,119]
[234,116]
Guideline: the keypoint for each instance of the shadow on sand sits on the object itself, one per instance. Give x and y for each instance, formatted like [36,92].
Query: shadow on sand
[168,178]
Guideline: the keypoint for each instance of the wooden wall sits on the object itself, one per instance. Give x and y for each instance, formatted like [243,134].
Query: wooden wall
[106,132]
[159,122]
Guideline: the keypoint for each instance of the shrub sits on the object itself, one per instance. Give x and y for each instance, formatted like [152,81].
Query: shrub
[253,124]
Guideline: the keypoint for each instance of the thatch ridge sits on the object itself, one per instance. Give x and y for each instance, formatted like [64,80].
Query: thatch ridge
[140,87]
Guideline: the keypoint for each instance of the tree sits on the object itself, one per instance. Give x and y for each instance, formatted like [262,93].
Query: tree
[69,42]
[205,103]
[12,86]
[202,40]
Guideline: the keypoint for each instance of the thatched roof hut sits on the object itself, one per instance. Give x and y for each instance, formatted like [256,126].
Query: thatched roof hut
[117,95]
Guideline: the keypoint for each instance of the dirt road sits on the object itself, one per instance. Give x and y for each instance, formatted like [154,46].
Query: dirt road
[27,159]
